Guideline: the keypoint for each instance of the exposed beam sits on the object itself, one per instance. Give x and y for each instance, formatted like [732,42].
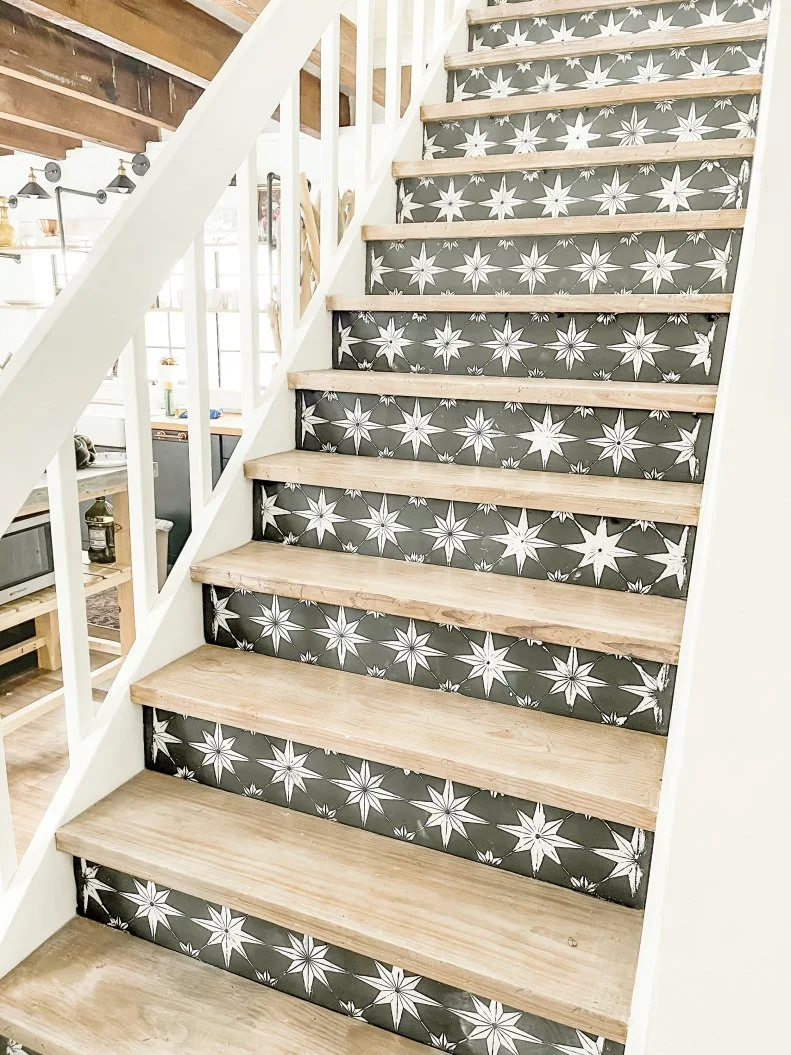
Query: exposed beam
[35,50]
[174,35]
[35,141]
[27,104]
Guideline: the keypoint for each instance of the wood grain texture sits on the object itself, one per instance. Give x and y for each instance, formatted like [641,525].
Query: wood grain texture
[539,8]
[638,625]
[91,990]
[613,774]
[646,154]
[52,57]
[708,303]
[36,141]
[30,104]
[700,88]
[686,37]
[667,502]
[705,220]
[536,947]
[97,577]
[643,395]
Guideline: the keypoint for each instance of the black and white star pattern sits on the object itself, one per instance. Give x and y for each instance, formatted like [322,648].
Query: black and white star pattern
[637,556]
[672,262]
[609,190]
[556,846]
[604,71]
[602,441]
[305,967]
[626,347]
[581,25]
[625,125]
[576,683]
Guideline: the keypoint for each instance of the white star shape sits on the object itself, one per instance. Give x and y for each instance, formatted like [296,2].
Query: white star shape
[218,752]
[478,433]
[546,436]
[626,858]
[497,1027]
[618,443]
[308,959]
[398,990]
[289,769]
[227,931]
[275,623]
[600,549]
[364,790]
[416,428]
[357,425]
[152,905]
[488,663]
[572,678]
[422,270]
[507,345]
[447,343]
[521,541]
[638,347]
[538,836]
[658,267]
[447,811]
[320,516]
[556,199]
[476,268]
[571,345]
[412,648]
[391,342]
[341,635]
[450,534]
[674,559]
[382,525]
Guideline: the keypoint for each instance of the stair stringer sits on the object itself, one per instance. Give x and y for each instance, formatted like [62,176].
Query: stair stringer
[42,897]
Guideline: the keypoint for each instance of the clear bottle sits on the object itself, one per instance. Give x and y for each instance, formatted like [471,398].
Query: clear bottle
[101,532]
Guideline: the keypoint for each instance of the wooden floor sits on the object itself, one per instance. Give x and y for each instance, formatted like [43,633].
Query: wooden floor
[36,755]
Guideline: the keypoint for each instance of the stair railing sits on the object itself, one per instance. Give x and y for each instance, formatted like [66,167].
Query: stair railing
[99,319]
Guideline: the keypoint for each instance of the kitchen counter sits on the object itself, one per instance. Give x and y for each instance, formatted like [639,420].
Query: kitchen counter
[226,425]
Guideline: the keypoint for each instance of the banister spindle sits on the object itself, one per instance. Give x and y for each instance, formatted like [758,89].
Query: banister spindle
[418,45]
[440,21]
[249,319]
[363,103]
[330,121]
[289,243]
[393,65]
[197,363]
[140,476]
[64,512]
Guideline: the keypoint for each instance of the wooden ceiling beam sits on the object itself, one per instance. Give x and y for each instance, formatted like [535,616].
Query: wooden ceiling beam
[174,35]
[28,104]
[35,141]
[35,50]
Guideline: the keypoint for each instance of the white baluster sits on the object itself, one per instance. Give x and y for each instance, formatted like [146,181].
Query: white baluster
[440,21]
[197,363]
[363,103]
[393,65]
[8,858]
[64,512]
[249,319]
[418,45]
[140,476]
[289,244]
[330,120]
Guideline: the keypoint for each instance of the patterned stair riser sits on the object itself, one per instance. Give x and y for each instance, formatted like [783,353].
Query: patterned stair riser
[11,1047]
[553,845]
[577,683]
[686,348]
[610,190]
[673,262]
[299,965]
[580,25]
[599,440]
[615,554]
[603,71]
[669,121]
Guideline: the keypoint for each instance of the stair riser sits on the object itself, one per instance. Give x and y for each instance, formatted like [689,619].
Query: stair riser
[335,978]
[694,262]
[403,805]
[610,689]
[611,190]
[679,120]
[11,1047]
[466,535]
[597,440]
[581,25]
[603,71]
[685,348]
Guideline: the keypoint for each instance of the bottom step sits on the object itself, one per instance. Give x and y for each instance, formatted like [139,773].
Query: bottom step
[91,990]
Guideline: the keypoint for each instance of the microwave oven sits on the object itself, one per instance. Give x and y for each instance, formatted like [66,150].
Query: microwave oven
[26,559]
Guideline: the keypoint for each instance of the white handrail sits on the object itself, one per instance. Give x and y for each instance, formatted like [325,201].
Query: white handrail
[42,395]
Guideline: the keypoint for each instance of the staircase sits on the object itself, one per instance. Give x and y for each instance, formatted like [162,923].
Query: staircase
[455,630]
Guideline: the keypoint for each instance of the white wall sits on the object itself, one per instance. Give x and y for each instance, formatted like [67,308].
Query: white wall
[715,968]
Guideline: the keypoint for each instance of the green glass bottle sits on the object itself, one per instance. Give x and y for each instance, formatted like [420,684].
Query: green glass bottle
[101,533]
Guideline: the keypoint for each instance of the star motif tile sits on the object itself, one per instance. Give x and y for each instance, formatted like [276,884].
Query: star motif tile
[302,966]
[591,686]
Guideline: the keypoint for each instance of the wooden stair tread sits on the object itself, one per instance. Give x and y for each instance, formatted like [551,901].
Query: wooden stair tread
[613,774]
[693,88]
[627,395]
[684,37]
[545,160]
[606,303]
[666,502]
[90,990]
[531,945]
[510,12]
[538,226]
[639,625]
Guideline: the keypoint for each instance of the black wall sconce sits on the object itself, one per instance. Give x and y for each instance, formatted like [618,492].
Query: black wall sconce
[33,189]
[122,184]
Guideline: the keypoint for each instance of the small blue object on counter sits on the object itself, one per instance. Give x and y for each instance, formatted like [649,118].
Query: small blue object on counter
[213,413]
